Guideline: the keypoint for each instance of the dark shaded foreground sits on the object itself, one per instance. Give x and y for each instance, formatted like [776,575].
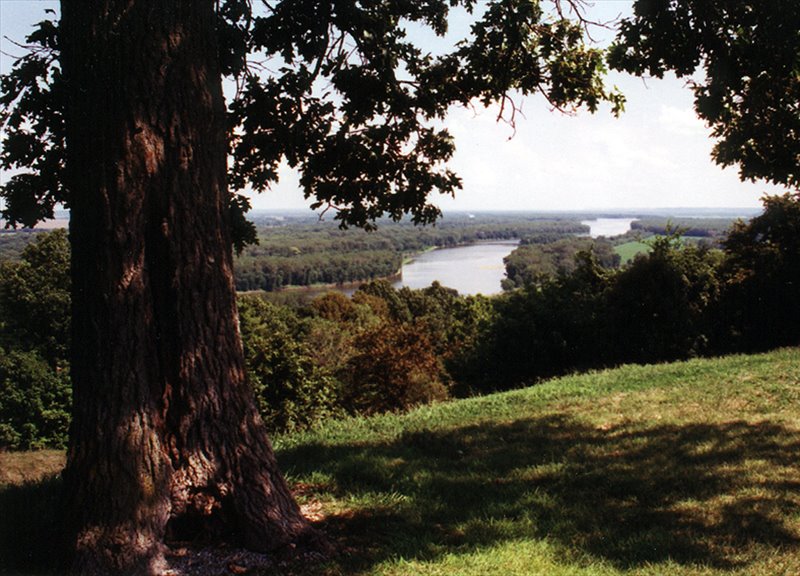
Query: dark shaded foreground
[628,495]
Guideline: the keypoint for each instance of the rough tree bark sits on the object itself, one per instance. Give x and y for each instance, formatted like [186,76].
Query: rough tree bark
[166,441]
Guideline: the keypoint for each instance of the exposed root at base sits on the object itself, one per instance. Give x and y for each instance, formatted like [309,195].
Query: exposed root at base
[225,560]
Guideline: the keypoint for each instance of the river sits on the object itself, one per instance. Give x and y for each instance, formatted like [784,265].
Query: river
[479,268]
[474,269]
[608,227]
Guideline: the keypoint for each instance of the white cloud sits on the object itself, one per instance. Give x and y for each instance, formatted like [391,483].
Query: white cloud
[681,121]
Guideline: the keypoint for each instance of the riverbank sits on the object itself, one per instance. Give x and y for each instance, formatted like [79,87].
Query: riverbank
[294,294]
[470,268]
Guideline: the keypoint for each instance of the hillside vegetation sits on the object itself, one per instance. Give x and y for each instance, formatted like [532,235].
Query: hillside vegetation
[567,308]
[679,469]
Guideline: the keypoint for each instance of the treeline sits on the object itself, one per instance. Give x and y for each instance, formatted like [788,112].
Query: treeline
[388,350]
[303,253]
[325,267]
[553,256]
[13,242]
[711,228]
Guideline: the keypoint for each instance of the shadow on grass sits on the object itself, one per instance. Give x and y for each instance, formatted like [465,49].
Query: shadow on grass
[29,528]
[711,494]
[708,494]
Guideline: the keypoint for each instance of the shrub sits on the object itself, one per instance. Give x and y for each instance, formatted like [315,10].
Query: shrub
[34,402]
[393,368]
[292,391]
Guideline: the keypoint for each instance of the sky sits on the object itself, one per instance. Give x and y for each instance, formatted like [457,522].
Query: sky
[656,155]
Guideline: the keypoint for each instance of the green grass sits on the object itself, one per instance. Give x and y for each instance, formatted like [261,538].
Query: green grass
[685,469]
[678,469]
[629,250]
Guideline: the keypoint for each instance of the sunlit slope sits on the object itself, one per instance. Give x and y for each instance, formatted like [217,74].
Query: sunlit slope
[686,468]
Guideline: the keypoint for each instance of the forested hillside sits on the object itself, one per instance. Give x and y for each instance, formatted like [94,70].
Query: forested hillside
[303,251]
[387,349]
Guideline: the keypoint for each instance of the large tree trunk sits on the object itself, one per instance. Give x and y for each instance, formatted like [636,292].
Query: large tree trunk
[166,441]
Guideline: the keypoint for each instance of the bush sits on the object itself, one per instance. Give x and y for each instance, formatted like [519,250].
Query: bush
[394,368]
[34,402]
[293,392]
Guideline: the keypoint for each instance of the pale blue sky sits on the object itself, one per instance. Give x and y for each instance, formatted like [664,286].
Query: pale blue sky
[656,155]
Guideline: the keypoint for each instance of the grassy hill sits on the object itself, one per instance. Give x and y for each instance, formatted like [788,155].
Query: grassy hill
[678,469]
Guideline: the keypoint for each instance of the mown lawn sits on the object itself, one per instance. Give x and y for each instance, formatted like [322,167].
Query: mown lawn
[678,469]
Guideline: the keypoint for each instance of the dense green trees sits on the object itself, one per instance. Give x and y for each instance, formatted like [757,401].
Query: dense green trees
[292,388]
[711,229]
[35,298]
[551,325]
[272,273]
[35,316]
[381,350]
[35,401]
[538,260]
[760,309]
[657,308]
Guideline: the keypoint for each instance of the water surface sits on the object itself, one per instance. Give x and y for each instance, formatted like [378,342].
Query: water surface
[608,227]
[475,269]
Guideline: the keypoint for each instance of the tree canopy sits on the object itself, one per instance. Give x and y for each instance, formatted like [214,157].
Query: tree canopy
[749,93]
[337,89]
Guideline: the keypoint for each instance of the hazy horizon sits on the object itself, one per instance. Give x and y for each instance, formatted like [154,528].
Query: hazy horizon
[61,218]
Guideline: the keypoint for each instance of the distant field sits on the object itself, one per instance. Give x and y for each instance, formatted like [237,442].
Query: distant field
[685,469]
[628,251]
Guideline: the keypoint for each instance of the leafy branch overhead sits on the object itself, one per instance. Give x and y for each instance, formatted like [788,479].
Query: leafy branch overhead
[742,61]
[32,122]
[339,90]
